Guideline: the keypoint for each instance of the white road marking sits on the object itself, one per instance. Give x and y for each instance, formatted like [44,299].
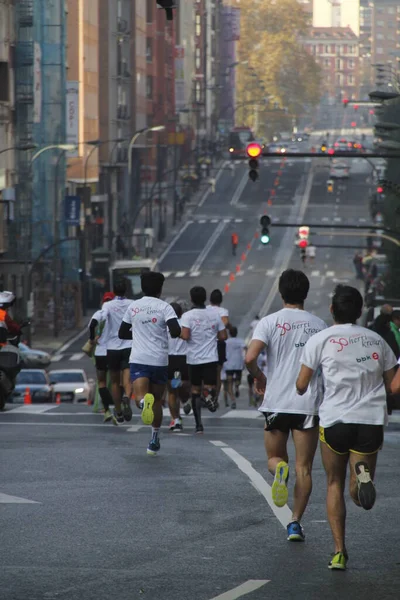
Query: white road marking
[194,273]
[202,221]
[6,499]
[72,341]
[167,274]
[330,274]
[270,272]
[239,273]
[337,219]
[32,409]
[325,219]
[225,273]
[219,444]
[214,220]
[315,273]
[362,220]
[135,428]
[227,220]
[77,356]
[238,220]
[207,248]
[242,590]
[283,514]
[208,192]
[239,189]
[180,274]
[242,414]
[56,357]
[173,242]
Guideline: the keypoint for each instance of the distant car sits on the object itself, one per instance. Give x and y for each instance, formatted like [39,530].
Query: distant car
[32,358]
[72,385]
[38,382]
[293,148]
[339,170]
[342,145]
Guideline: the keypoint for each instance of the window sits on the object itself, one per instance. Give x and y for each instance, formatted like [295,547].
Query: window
[149,86]
[198,91]
[391,10]
[379,36]
[4,87]
[350,63]
[333,49]
[350,79]
[149,50]
[380,23]
[149,11]
[198,25]
[338,64]
[198,58]
[379,50]
[326,49]
[327,62]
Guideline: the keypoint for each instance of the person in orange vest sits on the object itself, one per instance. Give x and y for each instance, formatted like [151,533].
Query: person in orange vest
[235,241]
[7,299]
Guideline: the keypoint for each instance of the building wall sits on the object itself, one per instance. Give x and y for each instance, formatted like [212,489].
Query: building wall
[185,38]
[385,31]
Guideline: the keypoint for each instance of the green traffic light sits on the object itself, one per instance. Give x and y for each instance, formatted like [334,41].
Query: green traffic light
[265,238]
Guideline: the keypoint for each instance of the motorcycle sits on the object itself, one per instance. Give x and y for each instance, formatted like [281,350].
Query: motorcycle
[10,364]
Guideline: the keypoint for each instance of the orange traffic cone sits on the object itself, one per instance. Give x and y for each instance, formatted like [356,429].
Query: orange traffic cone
[58,398]
[27,396]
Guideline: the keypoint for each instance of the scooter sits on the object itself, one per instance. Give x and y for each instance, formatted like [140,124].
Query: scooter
[10,364]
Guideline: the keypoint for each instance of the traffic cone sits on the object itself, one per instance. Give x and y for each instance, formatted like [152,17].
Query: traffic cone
[58,398]
[89,402]
[27,396]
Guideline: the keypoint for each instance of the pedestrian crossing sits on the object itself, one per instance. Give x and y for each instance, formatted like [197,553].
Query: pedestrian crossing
[226,273]
[210,220]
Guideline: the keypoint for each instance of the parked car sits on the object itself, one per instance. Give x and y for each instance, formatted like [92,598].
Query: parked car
[32,358]
[38,382]
[72,385]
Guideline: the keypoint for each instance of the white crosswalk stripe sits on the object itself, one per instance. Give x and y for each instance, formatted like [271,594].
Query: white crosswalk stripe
[315,273]
[225,273]
[194,273]
[330,273]
[167,274]
[77,356]
[56,357]
[180,274]
[270,272]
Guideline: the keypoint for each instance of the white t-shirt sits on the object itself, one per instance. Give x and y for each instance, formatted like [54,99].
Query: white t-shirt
[112,313]
[353,360]
[204,326]
[223,312]
[285,334]
[101,345]
[234,354]
[176,346]
[148,317]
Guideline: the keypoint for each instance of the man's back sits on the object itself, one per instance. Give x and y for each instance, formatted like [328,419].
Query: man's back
[112,313]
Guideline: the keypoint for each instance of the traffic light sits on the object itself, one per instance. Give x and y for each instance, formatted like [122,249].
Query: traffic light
[265,222]
[303,234]
[379,189]
[355,106]
[323,148]
[345,102]
[353,124]
[253,151]
[329,186]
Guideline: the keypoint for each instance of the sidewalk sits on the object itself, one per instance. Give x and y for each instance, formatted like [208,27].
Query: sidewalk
[45,340]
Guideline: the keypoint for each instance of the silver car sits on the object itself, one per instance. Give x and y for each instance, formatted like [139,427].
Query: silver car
[72,385]
[32,358]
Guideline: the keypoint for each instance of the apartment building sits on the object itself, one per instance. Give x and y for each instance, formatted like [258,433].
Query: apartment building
[385,31]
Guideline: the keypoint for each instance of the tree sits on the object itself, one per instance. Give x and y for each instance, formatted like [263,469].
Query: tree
[276,61]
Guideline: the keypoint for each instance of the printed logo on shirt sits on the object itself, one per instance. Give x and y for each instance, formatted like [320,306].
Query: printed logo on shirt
[300,345]
[341,342]
[285,327]
[374,356]
[305,325]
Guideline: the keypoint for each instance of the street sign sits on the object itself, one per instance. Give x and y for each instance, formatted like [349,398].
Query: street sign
[72,210]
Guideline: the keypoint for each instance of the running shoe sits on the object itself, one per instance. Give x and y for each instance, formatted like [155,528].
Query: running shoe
[176,382]
[279,487]
[126,408]
[117,418]
[199,429]
[147,412]
[210,402]
[178,425]
[172,425]
[366,488]
[187,407]
[339,561]
[237,392]
[233,405]
[295,532]
[141,404]
[153,447]
[107,416]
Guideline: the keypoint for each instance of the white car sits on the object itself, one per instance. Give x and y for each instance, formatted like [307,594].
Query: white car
[72,385]
[339,170]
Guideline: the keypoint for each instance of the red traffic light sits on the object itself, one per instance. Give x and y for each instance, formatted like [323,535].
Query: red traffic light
[331,151]
[355,106]
[353,124]
[379,190]
[253,150]
[303,243]
[345,101]
[372,112]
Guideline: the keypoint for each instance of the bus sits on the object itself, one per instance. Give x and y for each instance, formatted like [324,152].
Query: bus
[239,137]
[131,271]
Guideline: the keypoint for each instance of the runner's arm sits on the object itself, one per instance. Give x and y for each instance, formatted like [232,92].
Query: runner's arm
[125,331]
[92,329]
[255,348]
[222,335]
[185,333]
[12,326]
[303,380]
[392,381]
[174,328]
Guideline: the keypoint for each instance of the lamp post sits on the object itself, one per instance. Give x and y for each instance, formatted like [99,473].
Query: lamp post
[135,136]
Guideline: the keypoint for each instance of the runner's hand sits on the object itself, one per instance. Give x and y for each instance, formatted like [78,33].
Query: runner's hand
[260,384]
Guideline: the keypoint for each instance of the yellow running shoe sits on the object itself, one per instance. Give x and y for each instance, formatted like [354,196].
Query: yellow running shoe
[147,412]
[279,487]
[339,561]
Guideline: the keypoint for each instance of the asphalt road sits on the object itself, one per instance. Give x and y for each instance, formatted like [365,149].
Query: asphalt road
[87,515]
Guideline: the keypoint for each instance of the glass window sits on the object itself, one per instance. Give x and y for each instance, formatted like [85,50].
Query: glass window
[31,377]
[149,50]
[327,49]
[198,58]
[198,25]
[380,23]
[198,91]
[379,50]
[149,86]
[149,11]
[66,377]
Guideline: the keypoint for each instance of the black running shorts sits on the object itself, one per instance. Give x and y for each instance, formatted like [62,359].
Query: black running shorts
[118,360]
[236,375]
[206,373]
[177,362]
[221,348]
[101,363]
[285,422]
[343,438]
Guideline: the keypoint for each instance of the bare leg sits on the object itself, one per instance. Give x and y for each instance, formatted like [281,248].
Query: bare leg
[276,447]
[173,402]
[230,389]
[306,444]
[126,382]
[370,459]
[335,466]
[116,389]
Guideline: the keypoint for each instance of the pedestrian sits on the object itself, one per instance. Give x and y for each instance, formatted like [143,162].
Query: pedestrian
[382,326]
[145,325]
[202,329]
[234,364]
[283,335]
[357,365]
[311,252]
[178,375]
[216,300]
[234,241]
[117,351]
[100,358]
[357,261]
[395,325]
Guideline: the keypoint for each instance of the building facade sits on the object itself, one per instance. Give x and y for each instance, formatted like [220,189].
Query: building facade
[385,31]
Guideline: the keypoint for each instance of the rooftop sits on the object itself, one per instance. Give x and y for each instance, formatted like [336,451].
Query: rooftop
[333,33]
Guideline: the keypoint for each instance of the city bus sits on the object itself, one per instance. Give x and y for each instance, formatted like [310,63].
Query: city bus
[239,137]
[131,271]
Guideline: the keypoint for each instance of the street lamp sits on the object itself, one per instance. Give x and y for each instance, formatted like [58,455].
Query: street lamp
[378,96]
[65,147]
[21,148]
[135,136]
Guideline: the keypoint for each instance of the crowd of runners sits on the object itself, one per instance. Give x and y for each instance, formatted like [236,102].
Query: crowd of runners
[311,381]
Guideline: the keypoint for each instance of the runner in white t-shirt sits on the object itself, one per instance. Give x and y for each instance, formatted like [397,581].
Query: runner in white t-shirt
[201,328]
[178,375]
[145,324]
[216,299]
[117,351]
[100,357]
[357,367]
[283,335]
[234,364]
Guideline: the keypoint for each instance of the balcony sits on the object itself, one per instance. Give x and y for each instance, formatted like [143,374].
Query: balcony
[122,26]
[123,71]
[25,13]
[122,112]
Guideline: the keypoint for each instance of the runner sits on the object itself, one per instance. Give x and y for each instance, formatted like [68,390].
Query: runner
[357,365]
[234,364]
[224,385]
[284,334]
[234,241]
[117,351]
[202,328]
[100,358]
[178,375]
[215,304]
[145,324]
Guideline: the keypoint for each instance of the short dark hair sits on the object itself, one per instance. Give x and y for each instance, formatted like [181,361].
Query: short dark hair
[396,314]
[177,308]
[216,297]
[120,287]
[198,295]
[293,286]
[347,304]
[152,283]
[233,331]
